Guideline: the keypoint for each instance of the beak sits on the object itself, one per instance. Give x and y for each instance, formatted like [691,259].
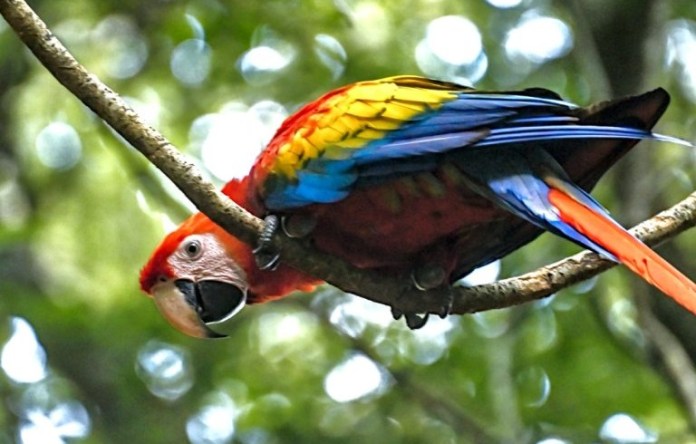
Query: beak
[199,309]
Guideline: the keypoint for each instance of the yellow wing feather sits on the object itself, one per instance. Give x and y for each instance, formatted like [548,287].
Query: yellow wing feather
[361,113]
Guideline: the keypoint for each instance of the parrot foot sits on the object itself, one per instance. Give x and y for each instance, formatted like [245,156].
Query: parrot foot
[424,278]
[298,225]
[414,321]
[266,256]
[428,277]
[447,303]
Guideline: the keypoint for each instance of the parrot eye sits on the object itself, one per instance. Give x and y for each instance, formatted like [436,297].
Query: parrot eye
[193,249]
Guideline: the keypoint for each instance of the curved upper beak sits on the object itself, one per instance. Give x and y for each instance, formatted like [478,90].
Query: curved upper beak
[201,309]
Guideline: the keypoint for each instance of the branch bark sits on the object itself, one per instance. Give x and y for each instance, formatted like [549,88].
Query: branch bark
[394,291]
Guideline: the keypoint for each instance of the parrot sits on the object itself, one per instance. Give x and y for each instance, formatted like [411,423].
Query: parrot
[410,176]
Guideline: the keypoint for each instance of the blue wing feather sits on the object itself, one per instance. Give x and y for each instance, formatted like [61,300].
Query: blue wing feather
[511,182]
[470,120]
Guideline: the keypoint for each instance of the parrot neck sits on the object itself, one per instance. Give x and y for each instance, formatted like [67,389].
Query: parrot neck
[263,285]
[243,193]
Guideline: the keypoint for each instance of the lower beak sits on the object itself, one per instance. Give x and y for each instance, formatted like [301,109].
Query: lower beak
[200,309]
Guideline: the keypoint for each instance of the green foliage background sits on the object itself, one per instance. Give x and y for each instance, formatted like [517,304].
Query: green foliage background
[72,241]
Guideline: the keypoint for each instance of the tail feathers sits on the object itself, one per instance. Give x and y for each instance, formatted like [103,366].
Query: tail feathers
[537,133]
[630,251]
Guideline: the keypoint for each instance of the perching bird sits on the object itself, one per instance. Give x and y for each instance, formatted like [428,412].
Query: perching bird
[407,174]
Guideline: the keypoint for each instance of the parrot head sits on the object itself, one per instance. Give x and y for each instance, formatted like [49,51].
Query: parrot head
[194,279]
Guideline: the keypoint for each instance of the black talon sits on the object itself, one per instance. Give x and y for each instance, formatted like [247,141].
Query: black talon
[446,307]
[396,313]
[415,321]
[267,257]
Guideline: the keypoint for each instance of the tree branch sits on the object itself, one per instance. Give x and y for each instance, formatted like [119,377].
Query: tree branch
[390,290]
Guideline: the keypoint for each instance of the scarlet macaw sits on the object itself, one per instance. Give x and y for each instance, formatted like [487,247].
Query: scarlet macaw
[407,174]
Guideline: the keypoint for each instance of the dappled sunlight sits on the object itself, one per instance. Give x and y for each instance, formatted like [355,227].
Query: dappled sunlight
[59,425]
[285,336]
[191,59]
[491,324]
[534,386]
[622,318]
[430,343]
[214,423]
[504,4]
[354,314]
[482,275]
[267,58]
[190,63]
[681,47]
[624,429]
[58,146]
[46,413]
[355,378]
[125,47]
[22,358]
[541,333]
[230,140]
[452,49]
[165,369]
[331,54]
[536,39]
[84,357]
[14,202]
[372,25]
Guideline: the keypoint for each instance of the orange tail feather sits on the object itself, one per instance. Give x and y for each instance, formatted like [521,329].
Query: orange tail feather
[633,253]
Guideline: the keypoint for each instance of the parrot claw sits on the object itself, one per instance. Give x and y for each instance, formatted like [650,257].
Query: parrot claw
[415,321]
[267,257]
[265,260]
[424,278]
[447,304]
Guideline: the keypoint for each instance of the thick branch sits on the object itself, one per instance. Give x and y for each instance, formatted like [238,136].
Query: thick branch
[394,291]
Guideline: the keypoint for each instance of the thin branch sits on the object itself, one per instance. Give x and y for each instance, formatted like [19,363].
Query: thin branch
[389,290]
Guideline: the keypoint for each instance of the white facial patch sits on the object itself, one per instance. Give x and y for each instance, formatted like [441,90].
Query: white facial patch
[210,262]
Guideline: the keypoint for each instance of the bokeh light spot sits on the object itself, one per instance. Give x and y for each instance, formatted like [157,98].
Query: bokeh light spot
[454,39]
[262,64]
[452,49]
[165,369]
[504,4]
[58,146]
[213,424]
[534,386]
[66,420]
[190,62]
[538,38]
[491,324]
[22,358]
[428,344]
[622,428]
[354,314]
[483,275]
[681,47]
[230,140]
[123,45]
[330,53]
[372,26]
[356,377]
